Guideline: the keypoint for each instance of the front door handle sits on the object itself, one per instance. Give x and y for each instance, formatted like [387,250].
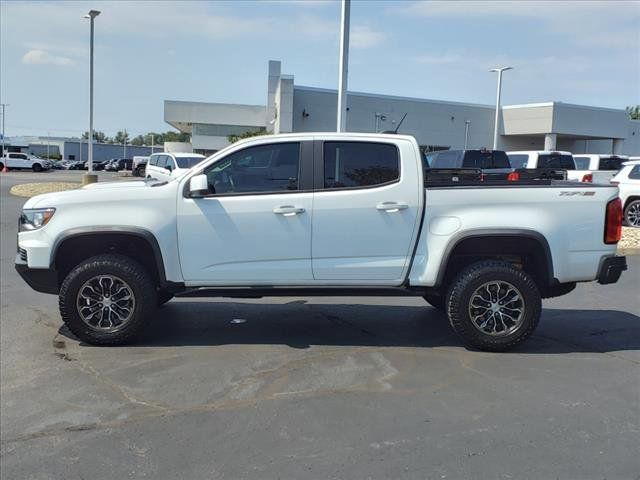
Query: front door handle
[288,210]
[391,207]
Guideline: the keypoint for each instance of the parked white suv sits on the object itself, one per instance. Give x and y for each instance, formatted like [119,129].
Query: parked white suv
[24,161]
[628,181]
[602,167]
[165,166]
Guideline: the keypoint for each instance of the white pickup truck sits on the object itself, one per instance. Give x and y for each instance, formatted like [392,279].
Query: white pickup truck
[24,161]
[601,167]
[319,214]
[534,159]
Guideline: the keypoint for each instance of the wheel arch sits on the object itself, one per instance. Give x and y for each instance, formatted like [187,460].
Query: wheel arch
[474,245]
[76,245]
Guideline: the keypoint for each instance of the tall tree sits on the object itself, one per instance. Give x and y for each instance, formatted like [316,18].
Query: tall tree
[99,137]
[634,112]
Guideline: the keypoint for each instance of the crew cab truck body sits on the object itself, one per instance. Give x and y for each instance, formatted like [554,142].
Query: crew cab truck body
[319,214]
[24,161]
[602,167]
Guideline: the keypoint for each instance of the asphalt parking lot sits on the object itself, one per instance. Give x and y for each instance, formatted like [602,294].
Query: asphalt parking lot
[316,388]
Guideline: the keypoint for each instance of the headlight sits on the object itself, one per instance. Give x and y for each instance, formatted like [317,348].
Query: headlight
[35,218]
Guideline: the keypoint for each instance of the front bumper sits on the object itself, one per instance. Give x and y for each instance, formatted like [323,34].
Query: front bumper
[43,280]
[611,268]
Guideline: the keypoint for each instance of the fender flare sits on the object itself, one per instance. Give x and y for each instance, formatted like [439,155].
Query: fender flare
[456,239]
[123,230]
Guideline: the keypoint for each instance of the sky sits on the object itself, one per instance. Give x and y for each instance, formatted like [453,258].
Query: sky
[145,52]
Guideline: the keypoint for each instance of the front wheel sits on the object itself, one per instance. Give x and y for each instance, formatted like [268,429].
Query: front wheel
[37,167]
[632,214]
[493,306]
[107,299]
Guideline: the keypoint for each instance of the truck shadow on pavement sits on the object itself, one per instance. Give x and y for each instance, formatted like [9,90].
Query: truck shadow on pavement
[299,324]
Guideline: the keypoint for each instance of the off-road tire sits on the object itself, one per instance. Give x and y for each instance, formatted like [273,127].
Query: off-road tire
[140,171]
[128,270]
[436,300]
[37,167]
[164,297]
[460,294]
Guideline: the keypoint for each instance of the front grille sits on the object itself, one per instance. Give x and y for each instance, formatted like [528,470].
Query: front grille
[23,254]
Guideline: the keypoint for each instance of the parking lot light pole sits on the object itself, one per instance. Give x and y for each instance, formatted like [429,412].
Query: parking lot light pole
[344,67]
[466,133]
[4,106]
[90,177]
[497,119]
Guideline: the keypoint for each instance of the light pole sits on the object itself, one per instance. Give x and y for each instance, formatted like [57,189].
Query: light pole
[48,138]
[4,106]
[90,177]
[495,128]
[152,143]
[466,133]
[380,117]
[344,66]
[124,144]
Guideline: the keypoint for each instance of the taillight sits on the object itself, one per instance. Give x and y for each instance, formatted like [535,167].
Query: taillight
[482,177]
[613,222]
[587,177]
[513,177]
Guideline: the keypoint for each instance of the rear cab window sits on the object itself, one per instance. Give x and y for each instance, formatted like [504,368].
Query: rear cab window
[518,160]
[610,163]
[360,164]
[447,159]
[485,159]
[556,160]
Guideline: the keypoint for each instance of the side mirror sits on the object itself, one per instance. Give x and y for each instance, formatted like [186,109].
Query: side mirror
[169,167]
[198,185]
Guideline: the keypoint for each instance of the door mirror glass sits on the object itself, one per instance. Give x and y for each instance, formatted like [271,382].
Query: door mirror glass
[169,166]
[198,185]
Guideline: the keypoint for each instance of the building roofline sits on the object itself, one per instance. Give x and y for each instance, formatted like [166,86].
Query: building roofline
[186,102]
[561,104]
[393,97]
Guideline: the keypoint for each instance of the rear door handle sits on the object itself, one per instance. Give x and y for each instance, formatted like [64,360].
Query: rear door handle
[288,210]
[391,207]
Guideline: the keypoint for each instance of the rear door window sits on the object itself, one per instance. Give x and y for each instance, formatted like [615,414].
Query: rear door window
[553,160]
[518,160]
[634,174]
[360,164]
[153,160]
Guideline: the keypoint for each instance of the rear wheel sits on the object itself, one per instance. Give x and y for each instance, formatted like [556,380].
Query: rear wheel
[107,299]
[632,214]
[140,172]
[493,306]
[37,167]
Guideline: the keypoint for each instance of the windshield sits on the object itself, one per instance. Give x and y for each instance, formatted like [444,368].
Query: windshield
[582,163]
[188,162]
[518,160]
[556,160]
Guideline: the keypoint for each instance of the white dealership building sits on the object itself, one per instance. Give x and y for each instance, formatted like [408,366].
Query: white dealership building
[436,124]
